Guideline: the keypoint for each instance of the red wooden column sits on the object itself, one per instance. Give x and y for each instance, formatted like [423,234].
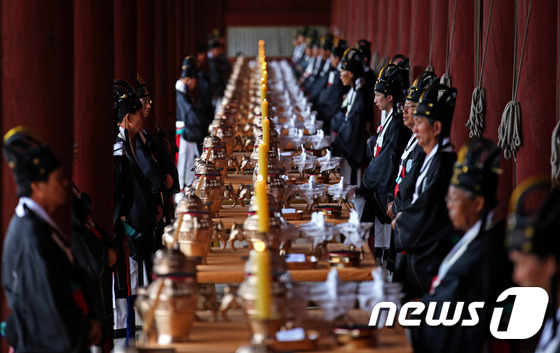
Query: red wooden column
[180,45]
[404,26]
[172,67]
[36,84]
[496,81]
[93,106]
[420,36]
[440,35]
[393,28]
[189,27]
[161,81]
[145,35]
[462,67]
[125,39]
[382,28]
[537,87]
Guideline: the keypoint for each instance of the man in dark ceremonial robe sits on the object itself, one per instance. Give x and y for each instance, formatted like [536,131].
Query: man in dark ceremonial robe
[349,123]
[323,74]
[42,283]
[534,248]
[384,149]
[421,229]
[190,113]
[134,213]
[329,99]
[94,252]
[412,154]
[477,268]
[404,188]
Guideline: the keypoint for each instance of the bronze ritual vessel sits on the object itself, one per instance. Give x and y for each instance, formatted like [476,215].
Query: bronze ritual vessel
[174,294]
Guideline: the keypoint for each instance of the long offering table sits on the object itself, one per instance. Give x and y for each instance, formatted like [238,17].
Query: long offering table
[227,266]
[226,336]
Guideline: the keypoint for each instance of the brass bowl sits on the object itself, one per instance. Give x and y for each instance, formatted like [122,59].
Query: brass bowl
[356,337]
[344,258]
[330,211]
[322,178]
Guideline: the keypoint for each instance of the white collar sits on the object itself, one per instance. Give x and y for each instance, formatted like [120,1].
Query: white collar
[386,116]
[546,341]
[181,87]
[43,215]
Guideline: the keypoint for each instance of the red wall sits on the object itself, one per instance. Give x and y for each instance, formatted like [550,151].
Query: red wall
[405,26]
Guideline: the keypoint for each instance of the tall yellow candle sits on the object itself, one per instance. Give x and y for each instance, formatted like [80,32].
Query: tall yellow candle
[263,161]
[262,204]
[261,43]
[264,108]
[264,90]
[265,77]
[266,130]
[264,282]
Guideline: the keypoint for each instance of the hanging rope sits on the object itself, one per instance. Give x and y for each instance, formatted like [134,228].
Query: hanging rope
[446,77]
[476,115]
[432,29]
[555,156]
[509,132]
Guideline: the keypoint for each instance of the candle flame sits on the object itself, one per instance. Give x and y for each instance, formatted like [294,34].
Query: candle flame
[259,246]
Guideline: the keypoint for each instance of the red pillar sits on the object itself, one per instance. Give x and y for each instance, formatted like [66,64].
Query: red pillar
[93,107]
[440,35]
[189,28]
[172,67]
[420,36]
[36,84]
[537,87]
[161,82]
[125,39]
[180,47]
[145,41]
[382,19]
[393,28]
[496,81]
[462,67]
[404,25]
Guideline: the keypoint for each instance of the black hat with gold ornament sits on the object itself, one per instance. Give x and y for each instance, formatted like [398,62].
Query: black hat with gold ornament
[340,48]
[477,170]
[534,218]
[125,100]
[437,103]
[390,81]
[352,61]
[28,158]
[423,81]
[189,67]
[141,87]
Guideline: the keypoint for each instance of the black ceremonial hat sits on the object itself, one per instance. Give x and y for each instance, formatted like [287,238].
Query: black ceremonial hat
[28,158]
[352,61]
[391,81]
[477,170]
[341,47]
[190,67]
[423,81]
[142,87]
[365,47]
[437,103]
[125,99]
[531,229]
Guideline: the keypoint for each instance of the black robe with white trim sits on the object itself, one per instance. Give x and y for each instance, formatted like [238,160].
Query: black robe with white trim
[481,273]
[422,228]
